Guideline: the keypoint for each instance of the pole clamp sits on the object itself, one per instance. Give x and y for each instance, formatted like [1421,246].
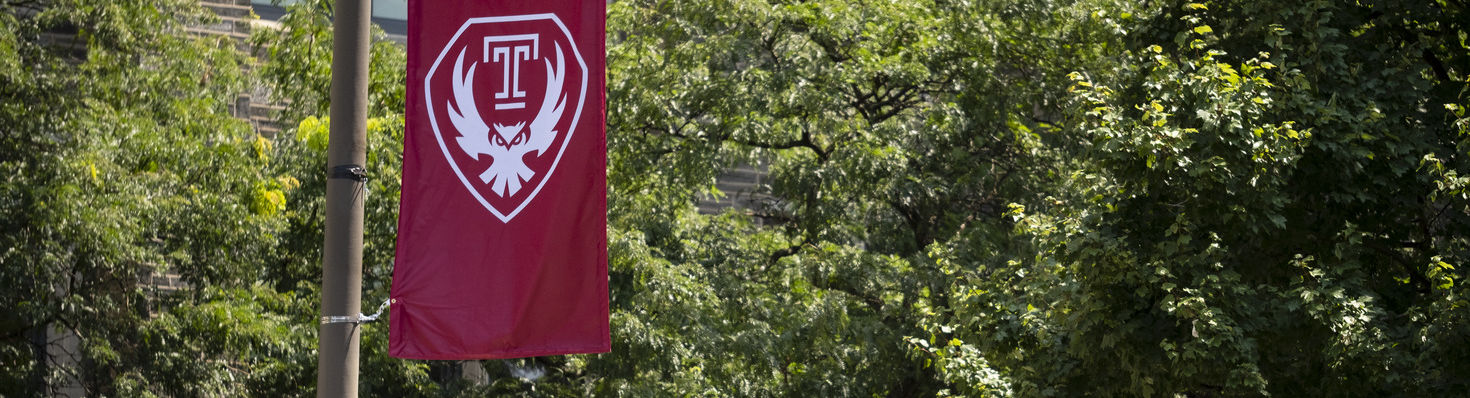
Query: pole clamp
[350,172]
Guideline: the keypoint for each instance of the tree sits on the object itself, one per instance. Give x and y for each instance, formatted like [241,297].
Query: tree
[999,198]
[1051,199]
[1243,222]
[121,161]
[985,198]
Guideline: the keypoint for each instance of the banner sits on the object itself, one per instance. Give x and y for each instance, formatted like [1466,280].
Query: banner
[502,228]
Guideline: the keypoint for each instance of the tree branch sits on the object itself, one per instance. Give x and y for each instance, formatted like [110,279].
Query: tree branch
[805,141]
[1434,63]
[789,250]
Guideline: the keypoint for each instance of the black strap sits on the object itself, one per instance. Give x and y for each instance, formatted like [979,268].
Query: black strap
[350,172]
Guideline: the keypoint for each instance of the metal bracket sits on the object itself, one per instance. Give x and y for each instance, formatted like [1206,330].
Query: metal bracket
[353,319]
[359,318]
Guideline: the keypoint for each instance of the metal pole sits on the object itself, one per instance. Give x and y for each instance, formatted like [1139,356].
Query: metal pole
[342,247]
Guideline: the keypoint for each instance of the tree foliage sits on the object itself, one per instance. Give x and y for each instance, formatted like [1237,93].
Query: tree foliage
[967,198]
[121,161]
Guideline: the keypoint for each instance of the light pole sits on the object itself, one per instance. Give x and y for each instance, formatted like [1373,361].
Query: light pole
[337,351]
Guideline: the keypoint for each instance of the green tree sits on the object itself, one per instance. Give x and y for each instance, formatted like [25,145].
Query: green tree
[121,161]
[982,198]
[1020,198]
[1044,198]
[1265,199]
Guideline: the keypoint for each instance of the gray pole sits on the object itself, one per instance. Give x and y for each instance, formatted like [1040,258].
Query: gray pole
[342,246]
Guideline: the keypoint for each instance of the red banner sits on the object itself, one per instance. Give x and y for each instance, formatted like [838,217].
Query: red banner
[502,228]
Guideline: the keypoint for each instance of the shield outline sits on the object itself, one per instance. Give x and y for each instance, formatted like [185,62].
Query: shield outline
[571,129]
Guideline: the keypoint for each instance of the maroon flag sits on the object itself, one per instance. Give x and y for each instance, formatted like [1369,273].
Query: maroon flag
[502,229]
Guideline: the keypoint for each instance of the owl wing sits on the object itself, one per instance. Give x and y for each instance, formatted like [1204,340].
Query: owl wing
[474,136]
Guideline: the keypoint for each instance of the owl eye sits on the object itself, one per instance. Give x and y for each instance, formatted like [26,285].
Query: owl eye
[517,141]
[500,140]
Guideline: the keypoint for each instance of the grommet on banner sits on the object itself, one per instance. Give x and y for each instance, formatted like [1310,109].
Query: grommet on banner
[359,318]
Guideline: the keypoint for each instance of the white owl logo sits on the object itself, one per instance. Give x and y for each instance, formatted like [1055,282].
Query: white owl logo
[512,142]
[523,148]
